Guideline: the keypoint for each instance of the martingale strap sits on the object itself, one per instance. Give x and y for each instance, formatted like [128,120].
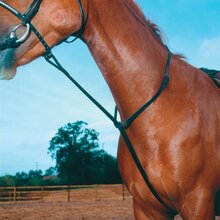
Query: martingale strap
[50,58]
[122,126]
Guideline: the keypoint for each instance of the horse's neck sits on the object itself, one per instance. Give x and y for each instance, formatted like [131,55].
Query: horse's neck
[131,60]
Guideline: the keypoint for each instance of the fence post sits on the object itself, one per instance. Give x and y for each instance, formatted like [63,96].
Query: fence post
[42,194]
[96,193]
[68,191]
[15,192]
[10,195]
[123,191]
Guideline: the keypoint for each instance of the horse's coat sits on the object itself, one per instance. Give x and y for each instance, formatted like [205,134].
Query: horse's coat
[177,139]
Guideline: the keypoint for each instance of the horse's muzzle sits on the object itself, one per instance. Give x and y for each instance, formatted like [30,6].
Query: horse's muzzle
[7,64]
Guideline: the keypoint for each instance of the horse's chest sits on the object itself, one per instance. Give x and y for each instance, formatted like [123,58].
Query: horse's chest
[129,170]
[154,166]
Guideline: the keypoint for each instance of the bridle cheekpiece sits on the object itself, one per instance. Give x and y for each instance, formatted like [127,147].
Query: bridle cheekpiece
[13,41]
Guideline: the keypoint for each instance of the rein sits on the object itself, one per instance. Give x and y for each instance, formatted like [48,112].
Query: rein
[12,41]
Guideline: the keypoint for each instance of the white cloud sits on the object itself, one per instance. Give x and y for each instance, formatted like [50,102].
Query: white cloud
[208,54]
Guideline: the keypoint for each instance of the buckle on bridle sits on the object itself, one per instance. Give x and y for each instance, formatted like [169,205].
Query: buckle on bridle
[24,37]
[12,40]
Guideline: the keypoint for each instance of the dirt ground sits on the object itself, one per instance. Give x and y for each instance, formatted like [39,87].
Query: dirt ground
[104,203]
[86,210]
[82,210]
[68,211]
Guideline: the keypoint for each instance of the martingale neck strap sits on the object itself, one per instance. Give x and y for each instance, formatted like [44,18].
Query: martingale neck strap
[122,126]
[127,123]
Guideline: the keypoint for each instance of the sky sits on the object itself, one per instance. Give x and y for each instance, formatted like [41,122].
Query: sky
[39,100]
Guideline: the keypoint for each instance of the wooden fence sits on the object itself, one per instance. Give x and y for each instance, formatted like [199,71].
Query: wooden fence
[62,193]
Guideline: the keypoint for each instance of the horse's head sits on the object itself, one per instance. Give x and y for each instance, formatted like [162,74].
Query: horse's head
[55,20]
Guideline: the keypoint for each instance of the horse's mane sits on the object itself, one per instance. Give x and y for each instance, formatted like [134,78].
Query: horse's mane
[153,27]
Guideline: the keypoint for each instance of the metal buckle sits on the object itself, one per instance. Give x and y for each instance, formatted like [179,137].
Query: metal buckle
[24,37]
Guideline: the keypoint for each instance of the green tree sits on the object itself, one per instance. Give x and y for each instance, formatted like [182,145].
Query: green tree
[35,178]
[79,159]
[50,171]
[21,179]
[111,173]
[7,180]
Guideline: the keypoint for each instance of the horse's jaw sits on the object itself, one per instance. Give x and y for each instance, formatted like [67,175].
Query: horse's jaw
[7,64]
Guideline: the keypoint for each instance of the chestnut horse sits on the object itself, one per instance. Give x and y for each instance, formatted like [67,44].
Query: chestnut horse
[176,139]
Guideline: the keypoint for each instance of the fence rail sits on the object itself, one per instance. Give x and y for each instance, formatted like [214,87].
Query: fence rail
[62,193]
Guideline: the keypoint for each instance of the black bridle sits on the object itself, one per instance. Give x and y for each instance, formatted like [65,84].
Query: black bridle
[12,41]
